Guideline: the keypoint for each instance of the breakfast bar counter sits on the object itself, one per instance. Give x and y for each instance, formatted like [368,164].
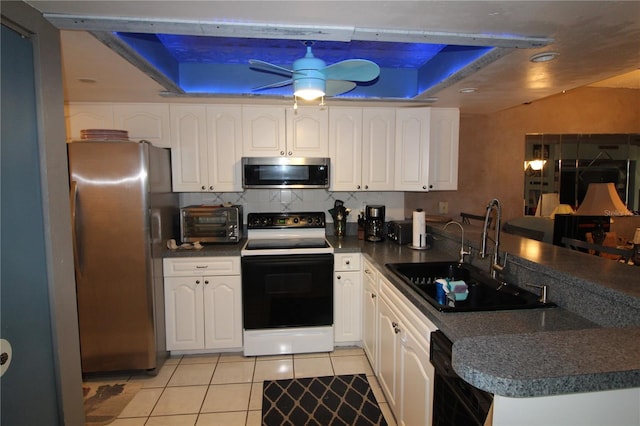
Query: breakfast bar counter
[589,343]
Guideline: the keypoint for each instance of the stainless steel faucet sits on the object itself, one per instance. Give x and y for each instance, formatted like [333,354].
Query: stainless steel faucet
[462,251]
[495,265]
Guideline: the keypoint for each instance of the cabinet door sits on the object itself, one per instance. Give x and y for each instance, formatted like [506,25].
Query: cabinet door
[416,382]
[388,352]
[224,148]
[412,149]
[189,148]
[263,131]
[87,116]
[308,132]
[345,148]
[222,312]
[148,122]
[370,315]
[347,312]
[378,148]
[184,313]
[443,146]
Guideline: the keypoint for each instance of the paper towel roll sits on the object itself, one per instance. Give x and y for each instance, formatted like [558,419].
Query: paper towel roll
[419,228]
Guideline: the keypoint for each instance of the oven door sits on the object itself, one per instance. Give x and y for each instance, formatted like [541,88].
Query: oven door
[287,291]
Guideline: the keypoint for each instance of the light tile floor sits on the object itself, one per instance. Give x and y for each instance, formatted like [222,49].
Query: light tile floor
[226,389]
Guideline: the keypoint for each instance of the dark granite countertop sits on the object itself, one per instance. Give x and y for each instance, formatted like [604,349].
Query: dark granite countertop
[207,250]
[525,353]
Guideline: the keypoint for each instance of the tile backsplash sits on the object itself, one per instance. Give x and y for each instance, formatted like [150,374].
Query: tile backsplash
[298,200]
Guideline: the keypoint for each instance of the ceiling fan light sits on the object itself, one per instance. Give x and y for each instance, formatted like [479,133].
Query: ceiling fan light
[309,88]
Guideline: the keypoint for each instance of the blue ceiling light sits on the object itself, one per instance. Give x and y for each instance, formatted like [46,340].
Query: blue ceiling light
[220,66]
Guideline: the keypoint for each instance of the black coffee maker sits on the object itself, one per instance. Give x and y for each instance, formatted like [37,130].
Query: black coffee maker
[374,223]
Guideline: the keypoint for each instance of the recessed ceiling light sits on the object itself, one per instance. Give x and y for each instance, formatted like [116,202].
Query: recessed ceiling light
[544,57]
[468,90]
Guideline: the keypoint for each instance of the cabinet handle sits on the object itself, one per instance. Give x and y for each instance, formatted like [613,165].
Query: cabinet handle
[368,272]
[206,281]
[396,330]
[357,186]
[204,188]
[197,282]
[373,296]
[290,153]
[394,324]
[211,188]
[424,186]
[430,186]
[281,152]
[366,187]
[339,277]
[348,262]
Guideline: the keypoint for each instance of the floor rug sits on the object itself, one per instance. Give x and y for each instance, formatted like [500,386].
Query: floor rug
[322,401]
[103,402]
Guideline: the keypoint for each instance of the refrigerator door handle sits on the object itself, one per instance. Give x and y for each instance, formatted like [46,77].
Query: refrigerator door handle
[73,200]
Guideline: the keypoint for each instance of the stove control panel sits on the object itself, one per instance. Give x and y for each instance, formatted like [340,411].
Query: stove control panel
[286,220]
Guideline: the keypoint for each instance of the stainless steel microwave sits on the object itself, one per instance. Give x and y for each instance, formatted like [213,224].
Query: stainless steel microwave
[285,172]
[211,224]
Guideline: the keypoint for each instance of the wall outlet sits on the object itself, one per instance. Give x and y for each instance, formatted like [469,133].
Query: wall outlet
[443,207]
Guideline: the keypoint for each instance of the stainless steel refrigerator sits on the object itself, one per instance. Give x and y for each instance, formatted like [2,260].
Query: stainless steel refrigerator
[123,212]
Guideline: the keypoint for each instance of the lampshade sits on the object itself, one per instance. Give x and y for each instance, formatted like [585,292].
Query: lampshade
[602,200]
[562,209]
[547,204]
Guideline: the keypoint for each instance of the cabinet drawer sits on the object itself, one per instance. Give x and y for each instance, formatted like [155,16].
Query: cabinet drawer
[346,261]
[194,266]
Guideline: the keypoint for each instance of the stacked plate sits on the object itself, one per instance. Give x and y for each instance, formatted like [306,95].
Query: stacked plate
[104,135]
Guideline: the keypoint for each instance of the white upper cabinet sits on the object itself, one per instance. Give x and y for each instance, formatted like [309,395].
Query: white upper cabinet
[82,115]
[224,148]
[427,141]
[263,131]
[412,149]
[443,147]
[270,131]
[307,132]
[148,122]
[143,121]
[189,148]
[378,148]
[206,150]
[361,147]
[345,148]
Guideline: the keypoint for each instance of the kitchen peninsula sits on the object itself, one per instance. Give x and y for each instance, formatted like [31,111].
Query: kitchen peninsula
[540,364]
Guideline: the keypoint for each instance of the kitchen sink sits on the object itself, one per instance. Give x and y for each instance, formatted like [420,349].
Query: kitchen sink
[485,293]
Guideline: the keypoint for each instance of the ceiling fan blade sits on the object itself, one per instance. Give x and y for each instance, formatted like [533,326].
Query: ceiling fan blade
[266,66]
[353,70]
[277,84]
[337,87]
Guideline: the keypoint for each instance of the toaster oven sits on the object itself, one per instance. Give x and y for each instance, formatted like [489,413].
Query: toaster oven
[211,224]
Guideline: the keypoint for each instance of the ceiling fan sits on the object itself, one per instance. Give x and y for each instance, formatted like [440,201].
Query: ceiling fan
[312,78]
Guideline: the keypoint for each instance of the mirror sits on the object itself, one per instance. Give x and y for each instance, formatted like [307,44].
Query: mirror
[558,168]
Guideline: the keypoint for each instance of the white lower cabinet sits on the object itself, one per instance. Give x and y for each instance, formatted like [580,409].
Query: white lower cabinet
[203,303]
[370,313]
[404,370]
[347,290]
